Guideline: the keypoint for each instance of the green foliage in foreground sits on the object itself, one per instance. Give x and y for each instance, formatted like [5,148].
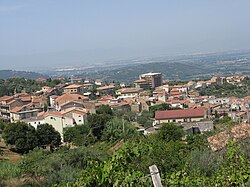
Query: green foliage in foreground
[8,170]
[24,137]
[181,163]
[63,165]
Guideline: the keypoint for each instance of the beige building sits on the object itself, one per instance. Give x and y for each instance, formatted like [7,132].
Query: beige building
[153,79]
[105,90]
[178,116]
[128,92]
[22,112]
[73,89]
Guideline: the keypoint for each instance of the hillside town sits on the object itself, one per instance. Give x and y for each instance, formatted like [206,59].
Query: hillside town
[70,102]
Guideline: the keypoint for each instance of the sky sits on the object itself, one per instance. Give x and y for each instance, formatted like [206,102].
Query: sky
[37,34]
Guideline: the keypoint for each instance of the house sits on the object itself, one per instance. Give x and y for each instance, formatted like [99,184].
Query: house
[34,121]
[201,85]
[197,127]
[71,104]
[67,99]
[235,79]
[153,79]
[87,86]
[160,95]
[7,103]
[25,99]
[76,80]
[52,100]
[123,84]
[141,83]
[22,112]
[105,90]
[128,92]
[46,89]
[79,115]
[41,80]
[73,89]
[56,119]
[186,115]
[99,82]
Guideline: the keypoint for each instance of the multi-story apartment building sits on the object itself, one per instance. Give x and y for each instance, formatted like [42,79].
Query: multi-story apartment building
[153,79]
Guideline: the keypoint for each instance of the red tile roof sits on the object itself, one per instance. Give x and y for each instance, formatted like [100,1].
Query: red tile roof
[53,113]
[140,81]
[178,114]
[129,90]
[16,109]
[12,101]
[105,88]
[220,140]
[73,86]
[105,98]
[5,98]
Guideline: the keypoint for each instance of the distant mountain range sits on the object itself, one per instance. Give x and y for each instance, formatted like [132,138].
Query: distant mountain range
[179,68]
[5,74]
[184,67]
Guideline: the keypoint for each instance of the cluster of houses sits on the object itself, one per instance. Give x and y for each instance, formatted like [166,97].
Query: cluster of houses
[79,98]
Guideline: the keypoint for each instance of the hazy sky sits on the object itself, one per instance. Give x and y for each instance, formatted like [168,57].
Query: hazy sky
[48,33]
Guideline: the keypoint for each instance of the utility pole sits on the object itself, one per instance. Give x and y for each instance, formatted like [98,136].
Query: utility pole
[123,127]
[154,172]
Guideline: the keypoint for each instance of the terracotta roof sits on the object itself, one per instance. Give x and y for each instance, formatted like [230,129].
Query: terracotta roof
[70,97]
[5,98]
[73,109]
[140,81]
[71,102]
[41,79]
[105,88]
[12,101]
[17,109]
[88,84]
[72,86]
[53,113]
[54,96]
[177,114]
[237,132]
[105,98]
[129,90]
[25,98]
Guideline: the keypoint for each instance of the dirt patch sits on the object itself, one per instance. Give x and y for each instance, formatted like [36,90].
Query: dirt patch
[7,154]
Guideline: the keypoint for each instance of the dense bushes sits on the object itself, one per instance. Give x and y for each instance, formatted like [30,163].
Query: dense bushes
[24,137]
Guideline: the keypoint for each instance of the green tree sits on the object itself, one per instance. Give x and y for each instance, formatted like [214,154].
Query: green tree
[155,108]
[170,131]
[21,135]
[104,109]
[97,123]
[48,136]
[114,130]
[79,135]
[145,119]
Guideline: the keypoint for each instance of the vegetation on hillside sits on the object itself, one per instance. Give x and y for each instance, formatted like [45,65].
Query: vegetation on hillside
[12,85]
[90,163]
[7,74]
[228,90]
